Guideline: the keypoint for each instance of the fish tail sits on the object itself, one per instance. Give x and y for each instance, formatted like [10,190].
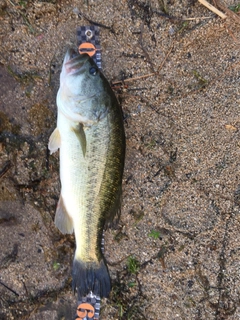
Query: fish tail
[91,277]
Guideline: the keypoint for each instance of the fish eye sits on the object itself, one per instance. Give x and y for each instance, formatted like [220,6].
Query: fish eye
[93,71]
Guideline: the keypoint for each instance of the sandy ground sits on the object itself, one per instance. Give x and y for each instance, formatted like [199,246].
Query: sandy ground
[175,254]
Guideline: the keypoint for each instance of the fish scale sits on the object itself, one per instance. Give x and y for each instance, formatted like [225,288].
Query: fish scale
[90,135]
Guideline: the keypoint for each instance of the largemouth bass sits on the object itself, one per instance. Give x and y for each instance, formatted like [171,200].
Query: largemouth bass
[90,136]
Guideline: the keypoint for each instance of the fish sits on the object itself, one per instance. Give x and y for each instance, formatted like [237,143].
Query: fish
[91,139]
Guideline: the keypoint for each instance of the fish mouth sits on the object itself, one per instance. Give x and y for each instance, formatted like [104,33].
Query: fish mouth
[74,62]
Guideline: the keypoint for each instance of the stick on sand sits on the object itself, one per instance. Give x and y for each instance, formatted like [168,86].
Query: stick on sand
[213,9]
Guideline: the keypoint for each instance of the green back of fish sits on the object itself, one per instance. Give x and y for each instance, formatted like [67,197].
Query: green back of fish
[111,188]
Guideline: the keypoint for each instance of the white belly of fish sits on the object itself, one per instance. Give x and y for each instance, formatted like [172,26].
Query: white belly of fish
[81,178]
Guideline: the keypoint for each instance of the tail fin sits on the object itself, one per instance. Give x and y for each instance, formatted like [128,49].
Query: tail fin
[91,277]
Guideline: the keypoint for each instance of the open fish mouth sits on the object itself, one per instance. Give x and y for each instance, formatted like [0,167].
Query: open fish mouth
[74,62]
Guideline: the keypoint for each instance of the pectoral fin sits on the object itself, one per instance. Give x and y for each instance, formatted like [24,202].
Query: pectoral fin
[54,141]
[62,219]
[80,133]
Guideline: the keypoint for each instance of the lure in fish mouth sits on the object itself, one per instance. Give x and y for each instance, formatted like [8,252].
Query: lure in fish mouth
[91,139]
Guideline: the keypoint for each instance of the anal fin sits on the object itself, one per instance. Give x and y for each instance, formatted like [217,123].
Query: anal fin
[63,221]
[113,216]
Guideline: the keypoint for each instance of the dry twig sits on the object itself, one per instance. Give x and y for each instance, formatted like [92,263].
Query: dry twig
[229,12]
[213,9]
[4,285]
[5,169]
[144,50]
[146,75]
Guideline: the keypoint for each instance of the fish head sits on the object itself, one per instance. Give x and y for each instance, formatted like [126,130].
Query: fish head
[80,74]
[83,88]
